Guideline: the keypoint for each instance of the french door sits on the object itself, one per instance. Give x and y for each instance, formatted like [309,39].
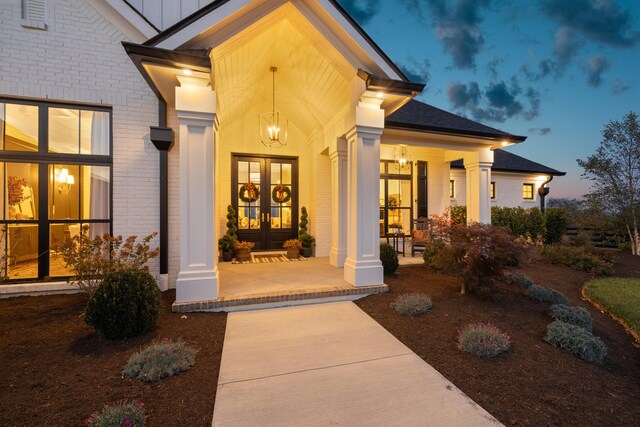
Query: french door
[264,191]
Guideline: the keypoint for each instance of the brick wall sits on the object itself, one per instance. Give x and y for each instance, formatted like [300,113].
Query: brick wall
[79,58]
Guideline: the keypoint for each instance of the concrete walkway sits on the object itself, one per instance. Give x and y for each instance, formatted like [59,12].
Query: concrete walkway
[330,364]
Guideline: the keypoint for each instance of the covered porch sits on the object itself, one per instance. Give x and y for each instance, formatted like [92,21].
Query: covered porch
[215,81]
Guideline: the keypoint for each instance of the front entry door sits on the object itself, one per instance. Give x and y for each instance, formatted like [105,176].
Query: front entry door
[264,191]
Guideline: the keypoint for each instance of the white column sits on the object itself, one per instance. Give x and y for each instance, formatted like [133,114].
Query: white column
[478,180]
[196,111]
[338,157]
[362,266]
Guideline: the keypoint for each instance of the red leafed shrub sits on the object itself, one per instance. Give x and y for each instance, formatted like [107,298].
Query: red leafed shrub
[477,253]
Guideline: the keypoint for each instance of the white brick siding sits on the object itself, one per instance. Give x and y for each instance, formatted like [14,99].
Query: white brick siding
[79,58]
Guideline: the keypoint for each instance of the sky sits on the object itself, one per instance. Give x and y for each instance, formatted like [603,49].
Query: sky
[555,71]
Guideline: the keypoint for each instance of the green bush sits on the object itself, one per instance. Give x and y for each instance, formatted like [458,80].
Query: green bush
[307,240]
[519,279]
[577,341]
[412,304]
[458,214]
[574,315]
[483,340]
[431,250]
[555,224]
[126,304]
[128,414]
[159,361]
[541,293]
[389,258]
[577,258]
[520,221]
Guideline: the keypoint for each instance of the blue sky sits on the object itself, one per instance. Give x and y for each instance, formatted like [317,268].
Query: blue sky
[553,70]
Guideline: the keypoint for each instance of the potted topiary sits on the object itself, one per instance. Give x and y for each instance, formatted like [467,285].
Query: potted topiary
[303,235]
[227,242]
[293,247]
[243,250]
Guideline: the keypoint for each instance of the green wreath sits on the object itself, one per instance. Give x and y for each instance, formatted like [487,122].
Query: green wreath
[281,194]
[252,190]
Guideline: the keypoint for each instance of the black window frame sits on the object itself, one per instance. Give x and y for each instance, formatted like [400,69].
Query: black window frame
[492,190]
[452,188]
[43,158]
[386,176]
[532,187]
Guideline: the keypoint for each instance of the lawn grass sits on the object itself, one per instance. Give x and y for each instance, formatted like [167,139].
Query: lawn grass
[620,297]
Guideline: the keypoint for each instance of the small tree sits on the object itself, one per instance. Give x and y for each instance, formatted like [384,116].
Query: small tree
[303,221]
[231,222]
[614,172]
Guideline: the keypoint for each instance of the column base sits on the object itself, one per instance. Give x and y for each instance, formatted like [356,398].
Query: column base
[163,282]
[363,273]
[197,286]
[337,257]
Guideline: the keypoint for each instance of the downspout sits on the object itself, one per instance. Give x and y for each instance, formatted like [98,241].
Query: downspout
[163,139]
[543,191]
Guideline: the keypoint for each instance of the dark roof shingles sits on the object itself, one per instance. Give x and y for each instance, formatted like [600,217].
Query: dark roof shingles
[508,162]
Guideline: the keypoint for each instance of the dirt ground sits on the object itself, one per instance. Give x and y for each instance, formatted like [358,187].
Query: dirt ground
[533,383]
[55,370]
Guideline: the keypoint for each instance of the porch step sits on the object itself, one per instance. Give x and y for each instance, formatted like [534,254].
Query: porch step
[280,299]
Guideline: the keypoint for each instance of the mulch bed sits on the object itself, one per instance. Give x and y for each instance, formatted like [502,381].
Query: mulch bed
[55,370]
[533,383]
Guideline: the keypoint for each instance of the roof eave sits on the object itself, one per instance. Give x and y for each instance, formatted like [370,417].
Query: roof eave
[519,171]
[447,131]
[386,85]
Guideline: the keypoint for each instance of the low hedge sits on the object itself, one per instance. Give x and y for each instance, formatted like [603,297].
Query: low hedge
[577,341]
[544,294]
[574,315]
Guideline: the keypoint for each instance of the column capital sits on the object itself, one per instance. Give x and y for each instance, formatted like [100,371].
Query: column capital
[373,132]
[195,101]
[338,148]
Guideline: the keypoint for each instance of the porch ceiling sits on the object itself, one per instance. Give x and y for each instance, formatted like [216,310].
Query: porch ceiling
[312,81]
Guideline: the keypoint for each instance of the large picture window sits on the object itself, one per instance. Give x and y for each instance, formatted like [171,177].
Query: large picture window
[55,165]
[396,207]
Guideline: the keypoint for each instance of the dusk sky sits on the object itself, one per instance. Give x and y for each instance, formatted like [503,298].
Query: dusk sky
[553,70]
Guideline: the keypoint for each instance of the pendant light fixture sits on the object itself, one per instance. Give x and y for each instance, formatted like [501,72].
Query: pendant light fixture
[402,158]
[273,128]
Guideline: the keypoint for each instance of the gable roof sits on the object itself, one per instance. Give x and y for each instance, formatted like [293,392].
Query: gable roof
[200,13]
[416,115]
[504,161]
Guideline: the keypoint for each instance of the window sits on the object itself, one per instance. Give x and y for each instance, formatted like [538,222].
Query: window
[396,195]
[452,188]
[55,163]
[527,191]
[34,14]
[493,190]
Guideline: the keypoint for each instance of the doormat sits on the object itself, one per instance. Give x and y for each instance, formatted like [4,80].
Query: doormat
[265,259]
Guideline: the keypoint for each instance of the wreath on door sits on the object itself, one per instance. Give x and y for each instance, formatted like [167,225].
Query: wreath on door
[281,194]
[249,192]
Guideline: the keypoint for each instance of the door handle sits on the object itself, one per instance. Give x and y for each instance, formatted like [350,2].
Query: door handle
[268,217]
[262,216]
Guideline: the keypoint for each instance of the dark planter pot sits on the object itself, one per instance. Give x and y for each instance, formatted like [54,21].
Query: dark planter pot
[243,255]
[306,252]
[227,256]
[293,253]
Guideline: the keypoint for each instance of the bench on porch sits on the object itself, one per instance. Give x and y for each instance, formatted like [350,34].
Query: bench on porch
[421,234]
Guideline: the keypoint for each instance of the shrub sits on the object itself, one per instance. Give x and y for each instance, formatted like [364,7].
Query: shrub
[574,315]
[520,221]
[577,258]
[555,224]
[389,258]
[477,254]
[583,239]
[541,293]
[126,304]
[483,340]
[226,243]
[91,259]
[159,361]
[458,214]
[519,279]
[577,341]
[307,240]
[303,221]
[431,250]
[129,414]
[412,304]
[231,223]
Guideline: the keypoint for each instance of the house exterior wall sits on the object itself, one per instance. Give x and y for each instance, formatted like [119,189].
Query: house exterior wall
[508,188]
[79,58]
[164,13]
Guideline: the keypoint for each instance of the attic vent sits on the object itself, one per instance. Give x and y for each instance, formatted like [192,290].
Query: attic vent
[34,13]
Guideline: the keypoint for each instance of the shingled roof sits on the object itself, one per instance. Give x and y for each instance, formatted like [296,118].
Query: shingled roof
[416,115]
[503,161]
